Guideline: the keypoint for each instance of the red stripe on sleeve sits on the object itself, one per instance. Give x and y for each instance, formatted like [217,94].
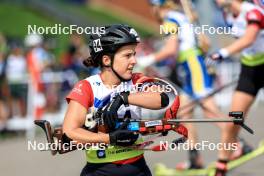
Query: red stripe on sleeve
[254,16]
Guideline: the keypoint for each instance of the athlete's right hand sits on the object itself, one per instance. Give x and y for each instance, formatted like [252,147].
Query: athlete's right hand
[213,59]
[122,136]
[110,111]
[216,57]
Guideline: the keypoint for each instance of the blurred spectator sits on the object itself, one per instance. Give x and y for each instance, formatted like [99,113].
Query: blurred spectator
[76,53]
[3,86]
[16,71]
[67,60]
[38,61]
[72,59]
[42,58]
[41,61]
[51,86]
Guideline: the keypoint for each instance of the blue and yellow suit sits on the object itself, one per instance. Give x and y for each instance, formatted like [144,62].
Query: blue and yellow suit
[196,81]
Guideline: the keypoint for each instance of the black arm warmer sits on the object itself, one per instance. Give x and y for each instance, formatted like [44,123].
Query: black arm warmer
[164,99]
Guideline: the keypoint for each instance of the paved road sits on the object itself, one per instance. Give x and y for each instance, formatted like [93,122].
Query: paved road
[17,160]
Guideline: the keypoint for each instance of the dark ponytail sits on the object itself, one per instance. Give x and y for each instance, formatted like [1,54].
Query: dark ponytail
[89,62]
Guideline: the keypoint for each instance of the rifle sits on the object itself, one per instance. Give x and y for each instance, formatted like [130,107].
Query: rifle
[143,127]
[169,122]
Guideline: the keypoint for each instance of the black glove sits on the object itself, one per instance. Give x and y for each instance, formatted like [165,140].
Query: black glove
[110,111]
[164,133]
[214,59]
[122,136]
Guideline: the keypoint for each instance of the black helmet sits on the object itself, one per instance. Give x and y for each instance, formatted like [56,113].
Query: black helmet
[114,37]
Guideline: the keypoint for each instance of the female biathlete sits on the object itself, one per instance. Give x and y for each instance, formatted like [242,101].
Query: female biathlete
[247,22]
[196,81]
[114,52]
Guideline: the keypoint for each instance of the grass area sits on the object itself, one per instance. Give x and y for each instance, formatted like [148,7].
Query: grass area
[112,18]
[101,16]
[16,18]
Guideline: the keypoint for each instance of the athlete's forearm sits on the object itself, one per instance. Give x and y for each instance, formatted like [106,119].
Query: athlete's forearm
[245,41]
[73,122]
[238,46]
[149,100]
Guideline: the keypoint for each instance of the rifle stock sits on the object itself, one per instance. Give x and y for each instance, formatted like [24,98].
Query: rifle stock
[55,136]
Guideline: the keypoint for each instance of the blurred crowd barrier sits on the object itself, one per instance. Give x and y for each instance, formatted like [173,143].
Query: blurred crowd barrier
[34,81]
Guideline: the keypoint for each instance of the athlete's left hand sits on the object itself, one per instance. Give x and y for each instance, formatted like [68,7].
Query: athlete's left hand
[122,136]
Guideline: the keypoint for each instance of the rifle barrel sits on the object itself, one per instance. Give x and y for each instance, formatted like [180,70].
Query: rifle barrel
[200,120]
[205,120]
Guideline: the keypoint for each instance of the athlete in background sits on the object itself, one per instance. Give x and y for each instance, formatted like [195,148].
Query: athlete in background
[196,81]
[247,22]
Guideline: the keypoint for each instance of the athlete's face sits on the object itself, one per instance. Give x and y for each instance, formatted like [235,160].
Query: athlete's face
[124,61]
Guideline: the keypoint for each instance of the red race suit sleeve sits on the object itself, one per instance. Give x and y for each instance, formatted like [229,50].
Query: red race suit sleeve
[255,17]
[82,93]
